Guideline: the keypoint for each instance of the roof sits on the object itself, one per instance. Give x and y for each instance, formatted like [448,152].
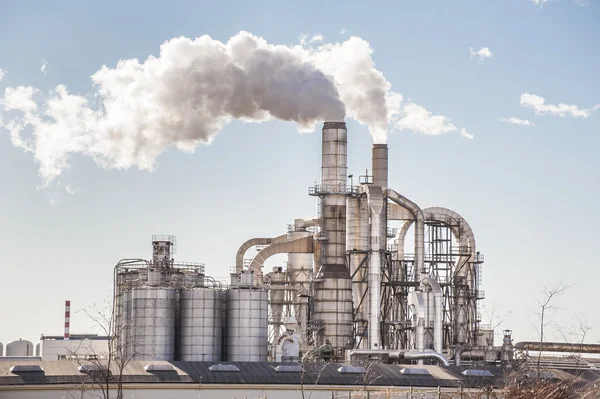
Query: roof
[264,373]
[66,371]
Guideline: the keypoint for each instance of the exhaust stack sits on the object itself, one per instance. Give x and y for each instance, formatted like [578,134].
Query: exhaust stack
[380,165]
[333,296]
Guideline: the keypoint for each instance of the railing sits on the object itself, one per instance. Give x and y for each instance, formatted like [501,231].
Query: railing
[340,190]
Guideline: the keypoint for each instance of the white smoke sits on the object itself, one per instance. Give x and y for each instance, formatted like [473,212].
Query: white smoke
[184,96]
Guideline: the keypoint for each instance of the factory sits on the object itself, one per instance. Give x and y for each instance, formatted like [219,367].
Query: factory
[374,284]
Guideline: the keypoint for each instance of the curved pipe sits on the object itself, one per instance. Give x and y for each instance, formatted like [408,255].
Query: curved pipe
[558,347]
[419,230]
[239,258]
[427,355]
[415,300]
[438,317]
[301,224]
[300,245]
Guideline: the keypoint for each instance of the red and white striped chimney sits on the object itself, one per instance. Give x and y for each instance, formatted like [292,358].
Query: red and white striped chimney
[67,318]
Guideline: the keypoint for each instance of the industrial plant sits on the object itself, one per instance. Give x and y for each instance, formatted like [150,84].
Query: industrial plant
[372,282]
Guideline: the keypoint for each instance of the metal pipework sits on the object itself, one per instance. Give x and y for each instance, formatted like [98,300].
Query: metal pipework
[378,241]
[239,258]
[417,213]
[415,300]
[357,244]
[379,161]
[558,347]
[427,355]
[436,290]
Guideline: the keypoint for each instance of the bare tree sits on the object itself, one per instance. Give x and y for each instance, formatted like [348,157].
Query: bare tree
[104,368]
[545,306]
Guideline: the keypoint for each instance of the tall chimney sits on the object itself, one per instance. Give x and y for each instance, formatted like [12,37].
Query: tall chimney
[380,165]
[333,296]
[67,319]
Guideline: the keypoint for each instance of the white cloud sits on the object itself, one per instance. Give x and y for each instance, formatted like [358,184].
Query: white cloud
[71,190]
[184,96]
[317,38]
[343,31]
[418,119]
[2,74]
[44,67]
[517,121]
[466,135]
[482,53]
[541,108]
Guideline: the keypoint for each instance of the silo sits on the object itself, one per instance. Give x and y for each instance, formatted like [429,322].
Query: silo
[1,349]
[247,325]
[152,323]
[37,349]
[19,348]
[200,325]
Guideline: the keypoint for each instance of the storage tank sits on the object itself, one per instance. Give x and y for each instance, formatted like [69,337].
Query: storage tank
[1,349]
[152,318]
[247,324]
[37,349]
[19,348]
[200,325]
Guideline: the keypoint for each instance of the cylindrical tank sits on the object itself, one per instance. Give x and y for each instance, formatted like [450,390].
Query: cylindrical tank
[152,323]
[1,349]
[277,301]
[200,325]
[20,347]
[247,325]
[37,349]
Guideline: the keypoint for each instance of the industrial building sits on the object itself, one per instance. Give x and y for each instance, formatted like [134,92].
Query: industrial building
[354,297]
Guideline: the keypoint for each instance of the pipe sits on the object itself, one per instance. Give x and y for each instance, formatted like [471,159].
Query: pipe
[427,355]
[419,231]
[558,347]
[302,224]
[239,258]
[300,245]
[415,300]
[438,317]
[392,354]
[375,199]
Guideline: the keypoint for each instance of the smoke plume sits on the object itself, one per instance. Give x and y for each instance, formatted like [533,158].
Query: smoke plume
[184,96]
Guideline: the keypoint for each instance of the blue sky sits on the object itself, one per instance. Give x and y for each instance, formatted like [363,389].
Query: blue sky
[528,192]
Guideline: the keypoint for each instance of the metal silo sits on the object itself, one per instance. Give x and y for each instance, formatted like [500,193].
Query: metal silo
[152,323]
[247,325]
[37,349]
[200,325]
[1,349]
[19,348]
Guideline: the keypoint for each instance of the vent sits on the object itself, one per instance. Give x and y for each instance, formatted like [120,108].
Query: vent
[351,370]
[26,368]
[289,368]
[414,371]
[224,367]
[478,373]
[91,368]
[158,367]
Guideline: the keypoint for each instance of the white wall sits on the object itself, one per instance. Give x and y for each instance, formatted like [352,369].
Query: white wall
[53,349]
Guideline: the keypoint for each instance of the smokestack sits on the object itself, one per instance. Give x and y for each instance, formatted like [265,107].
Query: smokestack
[333,296]
[380,165]
[67,319]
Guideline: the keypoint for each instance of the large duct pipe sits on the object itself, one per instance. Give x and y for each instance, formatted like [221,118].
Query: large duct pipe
[333,297]
[415,301]
[559,347]
[380,165]
[420,272]
[436,290]
[239,258]
[378,240]
[427,355]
